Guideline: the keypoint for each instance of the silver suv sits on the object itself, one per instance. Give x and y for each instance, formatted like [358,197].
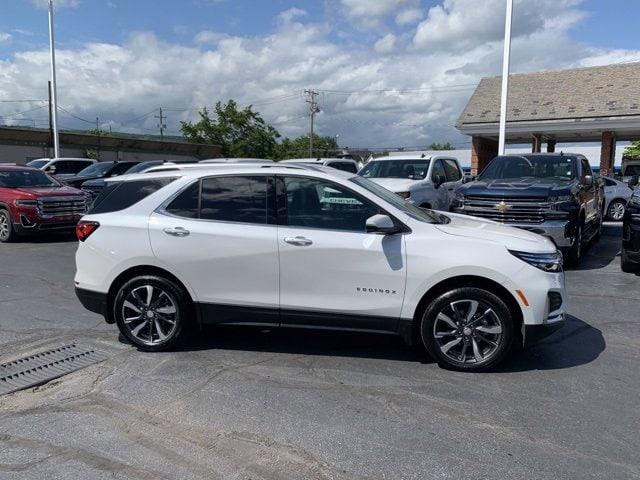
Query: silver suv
[427,181]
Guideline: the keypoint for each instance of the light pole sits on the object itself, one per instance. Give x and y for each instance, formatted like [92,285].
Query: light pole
[505,77]
[54,92]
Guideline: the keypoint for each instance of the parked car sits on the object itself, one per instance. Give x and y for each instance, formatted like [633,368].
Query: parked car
[616,196]
[61,167]
[99,170]
[345,164]
[630,253]
[630,167]
[32,201]
[547,193]
[161,253]
[236,160]
[93,187]
[426,182]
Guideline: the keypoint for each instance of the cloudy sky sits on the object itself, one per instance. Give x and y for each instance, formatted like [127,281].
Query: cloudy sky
[390,72]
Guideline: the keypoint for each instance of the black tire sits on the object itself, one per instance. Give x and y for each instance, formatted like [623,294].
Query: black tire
[491,348]
[154,317]
[616,209]
[627,265]
[574,254]
[7,233]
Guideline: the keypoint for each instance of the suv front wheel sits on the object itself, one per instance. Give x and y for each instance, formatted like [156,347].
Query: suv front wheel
[151,312]
[7,234]
[467,329]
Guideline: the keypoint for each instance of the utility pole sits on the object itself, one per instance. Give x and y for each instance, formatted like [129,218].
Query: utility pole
[98,133]
[50,116]
[313,109]
[161,124]
[54,95]
[505,79]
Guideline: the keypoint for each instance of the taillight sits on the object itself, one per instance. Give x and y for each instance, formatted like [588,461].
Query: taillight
[404,195]
[85,228]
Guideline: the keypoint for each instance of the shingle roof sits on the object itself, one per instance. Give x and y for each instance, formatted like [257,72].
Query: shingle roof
[609,91]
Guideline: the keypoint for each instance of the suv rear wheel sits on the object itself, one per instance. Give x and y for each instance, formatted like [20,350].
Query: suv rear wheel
[151,312]
[467,329]
[7,233]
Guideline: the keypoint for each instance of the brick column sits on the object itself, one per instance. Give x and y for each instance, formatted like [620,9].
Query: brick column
[483,150]
[536,143]
[607,153]
[551,145]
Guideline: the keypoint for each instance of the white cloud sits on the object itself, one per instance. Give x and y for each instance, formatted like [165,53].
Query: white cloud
[385,44]
[291,14]
[417,104]
[5,37]
[371,12]
[408,16]
[56,3]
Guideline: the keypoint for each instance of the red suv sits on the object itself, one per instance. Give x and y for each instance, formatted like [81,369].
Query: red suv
[31,202]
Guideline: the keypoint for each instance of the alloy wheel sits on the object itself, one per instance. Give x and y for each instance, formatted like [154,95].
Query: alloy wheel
[468,331]
[4,226]
[616,211]
[150,314]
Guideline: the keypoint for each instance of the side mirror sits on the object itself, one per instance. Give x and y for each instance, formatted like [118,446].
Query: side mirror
[438,180]
[588,181]
[633,181]
[381,224]
[51,169]
[468,178]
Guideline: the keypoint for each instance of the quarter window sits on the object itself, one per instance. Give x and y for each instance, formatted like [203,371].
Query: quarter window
[317,204]
[186,203]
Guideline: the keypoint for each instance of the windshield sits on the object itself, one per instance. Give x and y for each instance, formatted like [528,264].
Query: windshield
[538,166]
[397,201]
[413,169]
[95,170]
[142,166]
[37,163]
[26,179]
[632,170]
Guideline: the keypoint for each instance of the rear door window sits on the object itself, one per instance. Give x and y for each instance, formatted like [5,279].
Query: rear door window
[344,166]
[120,195]
[234,199]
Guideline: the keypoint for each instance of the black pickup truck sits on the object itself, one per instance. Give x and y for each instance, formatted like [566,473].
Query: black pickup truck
[555,195]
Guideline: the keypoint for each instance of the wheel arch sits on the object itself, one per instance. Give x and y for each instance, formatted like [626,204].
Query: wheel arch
[468,281]
[139,270]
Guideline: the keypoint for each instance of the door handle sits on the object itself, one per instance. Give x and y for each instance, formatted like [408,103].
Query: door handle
[176,232]
[299,241]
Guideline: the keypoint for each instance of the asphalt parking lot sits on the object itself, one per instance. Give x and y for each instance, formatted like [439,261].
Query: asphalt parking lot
[251,404]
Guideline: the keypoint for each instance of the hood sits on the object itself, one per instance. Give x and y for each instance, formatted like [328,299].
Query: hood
[511,237]
[395,184]
[518,187]
[63,191]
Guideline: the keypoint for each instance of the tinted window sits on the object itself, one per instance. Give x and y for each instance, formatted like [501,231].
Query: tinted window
[609,183]
[120,195]
[318,204]
[234,199]
[26,179]
[186,203]
[535,166]
[121,167]
[438,169]
[344,166]
[96,169]
[452,171]
[414,169]
[37,163]
[586,168]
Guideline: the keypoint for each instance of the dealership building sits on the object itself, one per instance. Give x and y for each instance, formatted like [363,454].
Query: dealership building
[21,144]
[594,104]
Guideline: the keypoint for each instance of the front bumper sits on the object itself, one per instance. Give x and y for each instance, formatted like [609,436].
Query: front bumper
[534,333]
[559,231]
[29,223]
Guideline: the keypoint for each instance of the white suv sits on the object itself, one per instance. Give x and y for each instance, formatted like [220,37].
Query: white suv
[310,247]
[427,181]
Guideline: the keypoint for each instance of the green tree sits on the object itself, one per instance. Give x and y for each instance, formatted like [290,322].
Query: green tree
[441,146]
[240,133]
[633,150]
[299,147]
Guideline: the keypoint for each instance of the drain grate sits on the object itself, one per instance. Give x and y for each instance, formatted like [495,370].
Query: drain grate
[45,366]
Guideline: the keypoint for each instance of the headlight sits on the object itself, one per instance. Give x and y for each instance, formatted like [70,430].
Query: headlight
[547,262]
[26,203]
